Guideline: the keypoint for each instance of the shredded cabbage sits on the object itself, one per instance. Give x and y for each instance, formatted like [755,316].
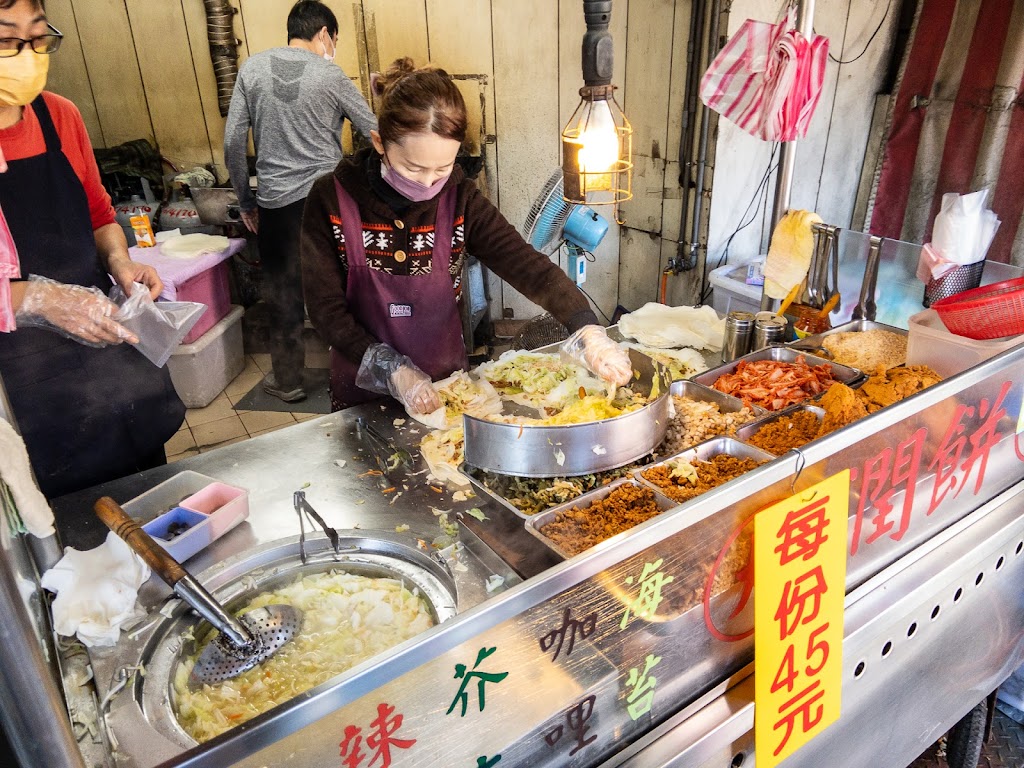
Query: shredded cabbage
[346,619]
[538,379]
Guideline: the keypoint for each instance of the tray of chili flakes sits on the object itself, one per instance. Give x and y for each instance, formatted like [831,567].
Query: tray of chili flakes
[576,526]
[698,470]
[775,378]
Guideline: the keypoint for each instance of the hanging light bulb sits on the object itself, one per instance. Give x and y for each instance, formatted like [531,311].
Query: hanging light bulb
[596,142]
[593,142]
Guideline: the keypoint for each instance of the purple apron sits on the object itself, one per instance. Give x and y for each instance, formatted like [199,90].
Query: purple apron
[418,315]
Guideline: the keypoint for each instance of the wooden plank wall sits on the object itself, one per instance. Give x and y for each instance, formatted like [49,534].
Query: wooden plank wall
[141,69]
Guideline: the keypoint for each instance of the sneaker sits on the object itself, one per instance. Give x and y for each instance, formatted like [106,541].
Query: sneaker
[287,395]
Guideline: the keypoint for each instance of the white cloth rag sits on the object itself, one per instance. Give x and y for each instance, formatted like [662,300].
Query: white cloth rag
[96,591]
[14,469]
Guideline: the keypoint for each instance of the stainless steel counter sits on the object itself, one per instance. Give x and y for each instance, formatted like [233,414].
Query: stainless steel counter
[305,456]
[545,693]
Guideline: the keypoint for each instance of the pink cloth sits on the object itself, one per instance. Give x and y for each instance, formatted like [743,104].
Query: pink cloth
[10,269]
[174,271]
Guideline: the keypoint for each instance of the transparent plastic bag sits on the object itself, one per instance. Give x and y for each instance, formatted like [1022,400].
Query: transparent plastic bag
[160,327]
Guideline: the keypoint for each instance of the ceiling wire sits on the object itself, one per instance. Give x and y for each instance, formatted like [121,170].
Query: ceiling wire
[871,39]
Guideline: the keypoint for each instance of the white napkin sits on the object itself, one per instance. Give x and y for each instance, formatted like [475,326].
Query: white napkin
[96,591]
[14,469]
[964,228]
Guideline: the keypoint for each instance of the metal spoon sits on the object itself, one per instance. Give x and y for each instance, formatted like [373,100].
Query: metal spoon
[242,642]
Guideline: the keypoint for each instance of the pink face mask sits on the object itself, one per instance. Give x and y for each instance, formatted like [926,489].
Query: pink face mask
[409,189]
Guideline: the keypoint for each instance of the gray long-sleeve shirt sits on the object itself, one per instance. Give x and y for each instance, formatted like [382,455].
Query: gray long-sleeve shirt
[295,102]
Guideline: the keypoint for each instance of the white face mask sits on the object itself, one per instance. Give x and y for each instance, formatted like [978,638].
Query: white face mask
[329,56]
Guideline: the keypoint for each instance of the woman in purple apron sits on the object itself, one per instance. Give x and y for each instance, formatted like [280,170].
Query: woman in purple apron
[383,242]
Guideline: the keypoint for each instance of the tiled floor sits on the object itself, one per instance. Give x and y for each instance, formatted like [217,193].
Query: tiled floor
[220,423]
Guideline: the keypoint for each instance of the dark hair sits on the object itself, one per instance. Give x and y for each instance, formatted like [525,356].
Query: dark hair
[7,4]
[423,100]
[307,17]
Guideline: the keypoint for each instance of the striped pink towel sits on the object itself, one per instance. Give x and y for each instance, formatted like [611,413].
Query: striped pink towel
[767,79]
[10,269]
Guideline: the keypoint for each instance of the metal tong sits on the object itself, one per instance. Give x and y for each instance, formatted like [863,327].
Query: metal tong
[866,307]
[303,507]
[823,274]
[384,451]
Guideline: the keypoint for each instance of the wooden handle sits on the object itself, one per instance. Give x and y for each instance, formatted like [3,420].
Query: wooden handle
[829,306]
[155,556]
[790,297]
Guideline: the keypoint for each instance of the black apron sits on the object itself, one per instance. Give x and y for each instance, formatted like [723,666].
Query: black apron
[87,415]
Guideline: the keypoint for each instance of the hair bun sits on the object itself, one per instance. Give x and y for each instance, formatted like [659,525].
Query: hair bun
[382,82]
[411,100]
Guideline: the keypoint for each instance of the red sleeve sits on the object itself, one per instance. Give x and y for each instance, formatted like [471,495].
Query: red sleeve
[75,143]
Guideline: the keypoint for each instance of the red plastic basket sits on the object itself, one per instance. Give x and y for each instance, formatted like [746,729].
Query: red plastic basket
[988,312]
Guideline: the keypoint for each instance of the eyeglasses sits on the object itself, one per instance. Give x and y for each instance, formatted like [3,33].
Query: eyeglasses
[43,45]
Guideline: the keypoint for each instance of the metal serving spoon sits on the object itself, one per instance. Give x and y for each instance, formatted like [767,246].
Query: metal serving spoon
[242,642]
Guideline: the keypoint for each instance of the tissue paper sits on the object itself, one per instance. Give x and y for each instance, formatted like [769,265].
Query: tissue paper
[96,591]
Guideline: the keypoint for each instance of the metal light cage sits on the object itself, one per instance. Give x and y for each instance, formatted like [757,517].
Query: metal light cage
[605,186]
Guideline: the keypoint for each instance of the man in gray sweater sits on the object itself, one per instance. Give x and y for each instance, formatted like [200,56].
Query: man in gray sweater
[295,100]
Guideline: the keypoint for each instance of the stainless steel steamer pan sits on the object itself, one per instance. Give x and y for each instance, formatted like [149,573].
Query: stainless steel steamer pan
[573,449]
[569,450]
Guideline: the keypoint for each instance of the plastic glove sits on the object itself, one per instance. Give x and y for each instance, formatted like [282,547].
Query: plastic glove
[591,348]
[75,312]
[385,370]
[413,388]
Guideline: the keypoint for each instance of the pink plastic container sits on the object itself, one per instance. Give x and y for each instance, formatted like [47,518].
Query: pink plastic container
[208,507]
[226,505]
[210,288]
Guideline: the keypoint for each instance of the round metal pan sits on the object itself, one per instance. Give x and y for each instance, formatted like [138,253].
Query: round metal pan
[573,449]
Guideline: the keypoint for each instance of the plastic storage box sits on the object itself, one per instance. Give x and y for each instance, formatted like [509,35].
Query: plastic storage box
[200,371]
[730,291]
[929,343]
[188,511]
[212,289]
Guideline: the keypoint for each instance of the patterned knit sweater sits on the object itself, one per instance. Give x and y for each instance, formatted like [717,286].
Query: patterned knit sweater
[401,242]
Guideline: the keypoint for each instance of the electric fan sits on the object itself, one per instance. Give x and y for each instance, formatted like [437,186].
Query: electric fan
[553,219]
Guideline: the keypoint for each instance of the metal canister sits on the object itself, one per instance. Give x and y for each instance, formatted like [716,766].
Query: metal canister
[739,329]
[768,329]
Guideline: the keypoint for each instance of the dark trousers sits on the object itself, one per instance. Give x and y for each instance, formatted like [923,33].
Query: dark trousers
[282,290]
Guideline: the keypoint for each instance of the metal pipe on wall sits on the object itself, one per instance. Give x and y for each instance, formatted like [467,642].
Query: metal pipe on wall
[694,52]
[220,32]
[787,151]
[702,142]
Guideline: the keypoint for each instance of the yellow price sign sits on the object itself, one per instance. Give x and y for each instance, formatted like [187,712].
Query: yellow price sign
[800,573]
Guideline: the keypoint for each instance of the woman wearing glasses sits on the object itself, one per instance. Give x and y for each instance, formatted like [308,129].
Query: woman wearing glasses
[89,407]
